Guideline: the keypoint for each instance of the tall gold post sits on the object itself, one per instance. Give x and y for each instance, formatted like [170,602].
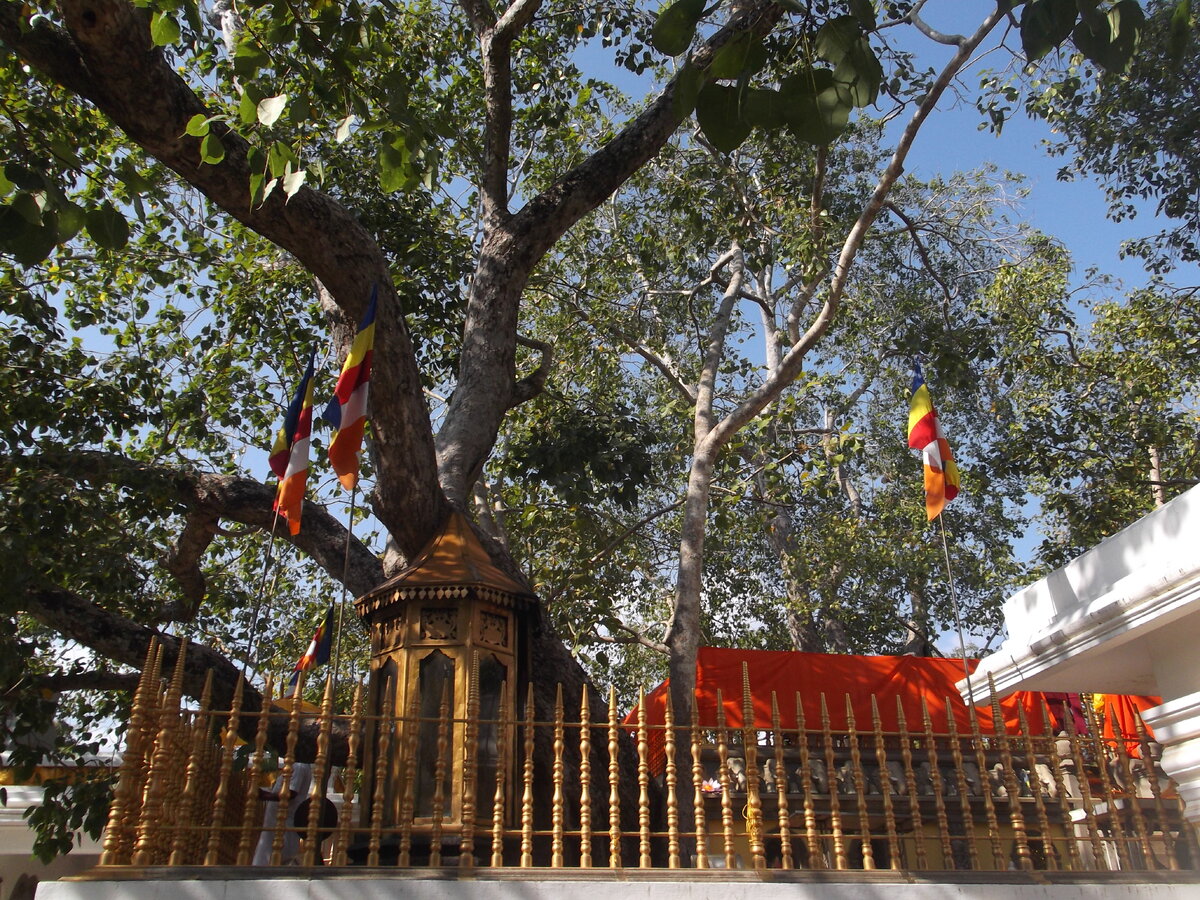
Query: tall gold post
[835,804]
[121,830]
[585,780]
[643,770]
[195,764]
[910,782]
[410,732]
[1118,827]
[698,791]
[445,751]
[935,782]
[527,795]
[812,836]
[385,727]
[150,833]
[1085,789]
[754,817]
[557,816]
[781,786]
[1160,810]
[285,775]
[1011,785]
[670,776]
[989,805]
[1060,789]
[341,837]
[1131,797]
[228,745]
[964,789]
[466,847]
[251,809]
[885,786]
[860,792]
[614,783]
[726,787]
[507,728]
[316,796]
[1035,787]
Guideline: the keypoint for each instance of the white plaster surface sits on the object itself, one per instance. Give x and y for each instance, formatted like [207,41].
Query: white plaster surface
[391,888]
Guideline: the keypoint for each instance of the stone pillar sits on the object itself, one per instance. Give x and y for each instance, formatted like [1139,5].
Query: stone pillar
[1176,725]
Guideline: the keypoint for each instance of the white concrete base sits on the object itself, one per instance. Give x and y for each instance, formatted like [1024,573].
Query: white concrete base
[1176,725]
[817,886]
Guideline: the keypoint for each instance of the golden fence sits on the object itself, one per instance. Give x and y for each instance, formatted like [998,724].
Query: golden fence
[599,793]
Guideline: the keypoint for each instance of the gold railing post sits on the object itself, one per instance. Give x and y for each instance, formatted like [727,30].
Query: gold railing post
[885,787]
[195,765]
[698,791]
[964,789]
[1085,790]
[1114,817]
[1131,793]
[123,814]
[147,849]
[670,776]
[910,782]
[383,745]
[316,793]
[527,794]
[410,729]
[442,766]
[585,780]
[614,783]
[1011,786]
[286,771]
[643,770]
[935,783]
[1035,787]
[812,835]
[1160,810]
[557,801]
[228,745]
[754,818]
[1060,788]
[781,785]
[466,847]
[726,787]
[985,783]
[835,804]
[860,792]
[341,837]
[251,811]
[506,728]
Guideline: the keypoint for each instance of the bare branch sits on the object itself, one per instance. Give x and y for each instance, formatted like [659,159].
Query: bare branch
[535,382]
[922,251]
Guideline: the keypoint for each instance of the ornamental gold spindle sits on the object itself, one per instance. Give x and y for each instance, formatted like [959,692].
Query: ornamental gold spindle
[964,789]
[119,835]
[781,798]
[1151,767]
[409,735]
[527,793]
[1101,757]
[1035,787]
[643,769]
[885,786]
[228,744]
[341,837]
[285,773]
[935,782]
[989,805]
[384,730]
[860,792]
[162,762]
[1012,786]
[251,811]
[316,794]
[505,727]
[466,853]
[754,817]
[1085,790]
[910,783]
[726,788]
[671,776]
[194,770]
[585,780]
[1060,787]
[835,806]
[444,762]
[1126,771]
[614,784]
[812,837]
[557,816]
[698,792]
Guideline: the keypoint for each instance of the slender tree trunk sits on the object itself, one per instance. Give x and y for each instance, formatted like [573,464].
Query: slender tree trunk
[1156,485]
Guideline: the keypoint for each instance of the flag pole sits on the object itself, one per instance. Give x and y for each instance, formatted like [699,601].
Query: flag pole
[962,644]
[337,651]
[262,583]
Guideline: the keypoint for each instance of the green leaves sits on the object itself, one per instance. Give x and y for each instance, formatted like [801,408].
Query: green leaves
[270,109]
[164,30]
[107,227]
[1044,25]
[1110,39]
[676,26]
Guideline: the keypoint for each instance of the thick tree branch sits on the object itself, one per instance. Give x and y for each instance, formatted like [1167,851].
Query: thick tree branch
[105,55]
[61,683]
[535,382]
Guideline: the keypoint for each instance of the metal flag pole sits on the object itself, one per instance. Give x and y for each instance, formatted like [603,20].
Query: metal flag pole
[337,651]
[962,643]
[259,596]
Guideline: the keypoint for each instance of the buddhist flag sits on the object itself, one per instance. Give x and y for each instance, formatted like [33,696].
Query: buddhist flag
[925,434]
[317,653]
[347,411]
[289,456]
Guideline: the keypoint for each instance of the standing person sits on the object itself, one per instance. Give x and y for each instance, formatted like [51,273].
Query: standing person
[298,791]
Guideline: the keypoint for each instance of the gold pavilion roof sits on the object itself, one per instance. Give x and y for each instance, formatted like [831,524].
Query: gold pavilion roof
[453,564]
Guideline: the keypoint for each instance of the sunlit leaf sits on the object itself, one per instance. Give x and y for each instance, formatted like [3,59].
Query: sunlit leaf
[270,109]
[164,30]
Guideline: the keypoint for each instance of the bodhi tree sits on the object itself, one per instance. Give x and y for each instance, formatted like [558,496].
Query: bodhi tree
[151,157]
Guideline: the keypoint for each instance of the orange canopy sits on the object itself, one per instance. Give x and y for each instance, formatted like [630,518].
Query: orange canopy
[805,679]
